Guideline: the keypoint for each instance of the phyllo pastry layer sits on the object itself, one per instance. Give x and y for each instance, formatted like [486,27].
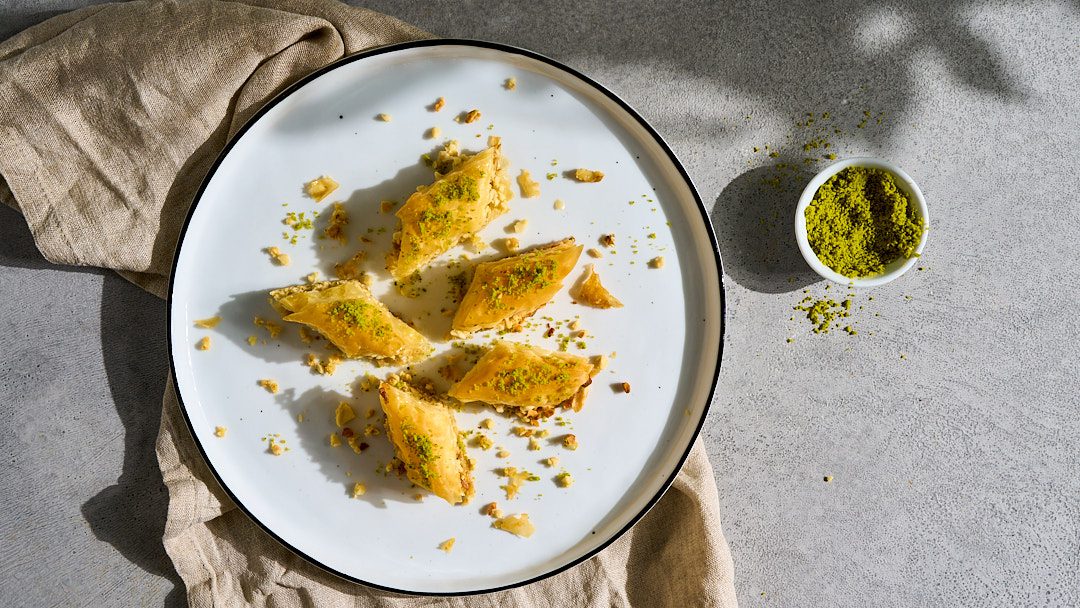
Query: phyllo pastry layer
[505,291]
[352,319]
[426,440]
[474,191]
[531,379]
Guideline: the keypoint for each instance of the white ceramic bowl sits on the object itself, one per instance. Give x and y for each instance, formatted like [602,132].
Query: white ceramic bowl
[894,268]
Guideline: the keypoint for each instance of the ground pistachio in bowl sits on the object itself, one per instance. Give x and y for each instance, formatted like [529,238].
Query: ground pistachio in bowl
[861,222]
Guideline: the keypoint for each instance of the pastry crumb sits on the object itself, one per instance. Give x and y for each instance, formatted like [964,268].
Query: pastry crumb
[203,344]
[625,387]
[502,454]
[312,277]
[570,441]
[511,244]
[510,84]
[594,252]
[588,175]
[564,480]
[492,510]
[368,383]
[591,292]
[529,187]
[518,226]
[272,328]
[483,442]
[300,417]
[251,340]
[559,204]
[447,545]
[275,448]
[210,323]
[358,490]
[325,367]
[339,218]
[320,188]
[487,423]
[343,414]
[279,258]
[434,133]
[471,116]
[438,105]
[600,362]
[607,240]
[271,386]
[219,431]
[551,462]
[657,262]
[351,269]
[476,244]
[384,117]
[518,525]
[534,445]
[335,441]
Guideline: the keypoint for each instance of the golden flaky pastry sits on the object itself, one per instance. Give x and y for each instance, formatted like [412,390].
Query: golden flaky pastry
[473,191]
[506,291]
[426,440]
[531,379]
[351,318]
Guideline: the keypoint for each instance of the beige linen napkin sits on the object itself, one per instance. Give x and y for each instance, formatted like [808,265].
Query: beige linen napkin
[109,118]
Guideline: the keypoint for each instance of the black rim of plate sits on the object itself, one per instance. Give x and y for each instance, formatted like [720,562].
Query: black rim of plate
[513,51]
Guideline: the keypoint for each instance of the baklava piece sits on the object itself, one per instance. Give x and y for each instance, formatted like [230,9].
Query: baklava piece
[353,320]
[531,381]
[469,192]
[505,291]
[426,440]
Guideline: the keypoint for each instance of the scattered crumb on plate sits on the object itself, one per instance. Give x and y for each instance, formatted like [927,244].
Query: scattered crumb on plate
[203,344]
[210,323]
[564,480]
[529,187]
[518,525]
[343,414]
[447,545]
[276,255]
[320,188]
[588,175]
[219,431]
[271,386]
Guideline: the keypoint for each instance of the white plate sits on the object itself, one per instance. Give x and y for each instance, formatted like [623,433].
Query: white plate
[667,337]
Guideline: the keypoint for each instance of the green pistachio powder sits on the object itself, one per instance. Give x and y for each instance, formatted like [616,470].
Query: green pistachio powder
[860,220]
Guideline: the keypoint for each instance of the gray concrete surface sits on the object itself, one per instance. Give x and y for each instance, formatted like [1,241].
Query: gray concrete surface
[950,424]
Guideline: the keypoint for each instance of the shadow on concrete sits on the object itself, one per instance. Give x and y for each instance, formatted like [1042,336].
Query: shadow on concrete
[130,515]
[754,220]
